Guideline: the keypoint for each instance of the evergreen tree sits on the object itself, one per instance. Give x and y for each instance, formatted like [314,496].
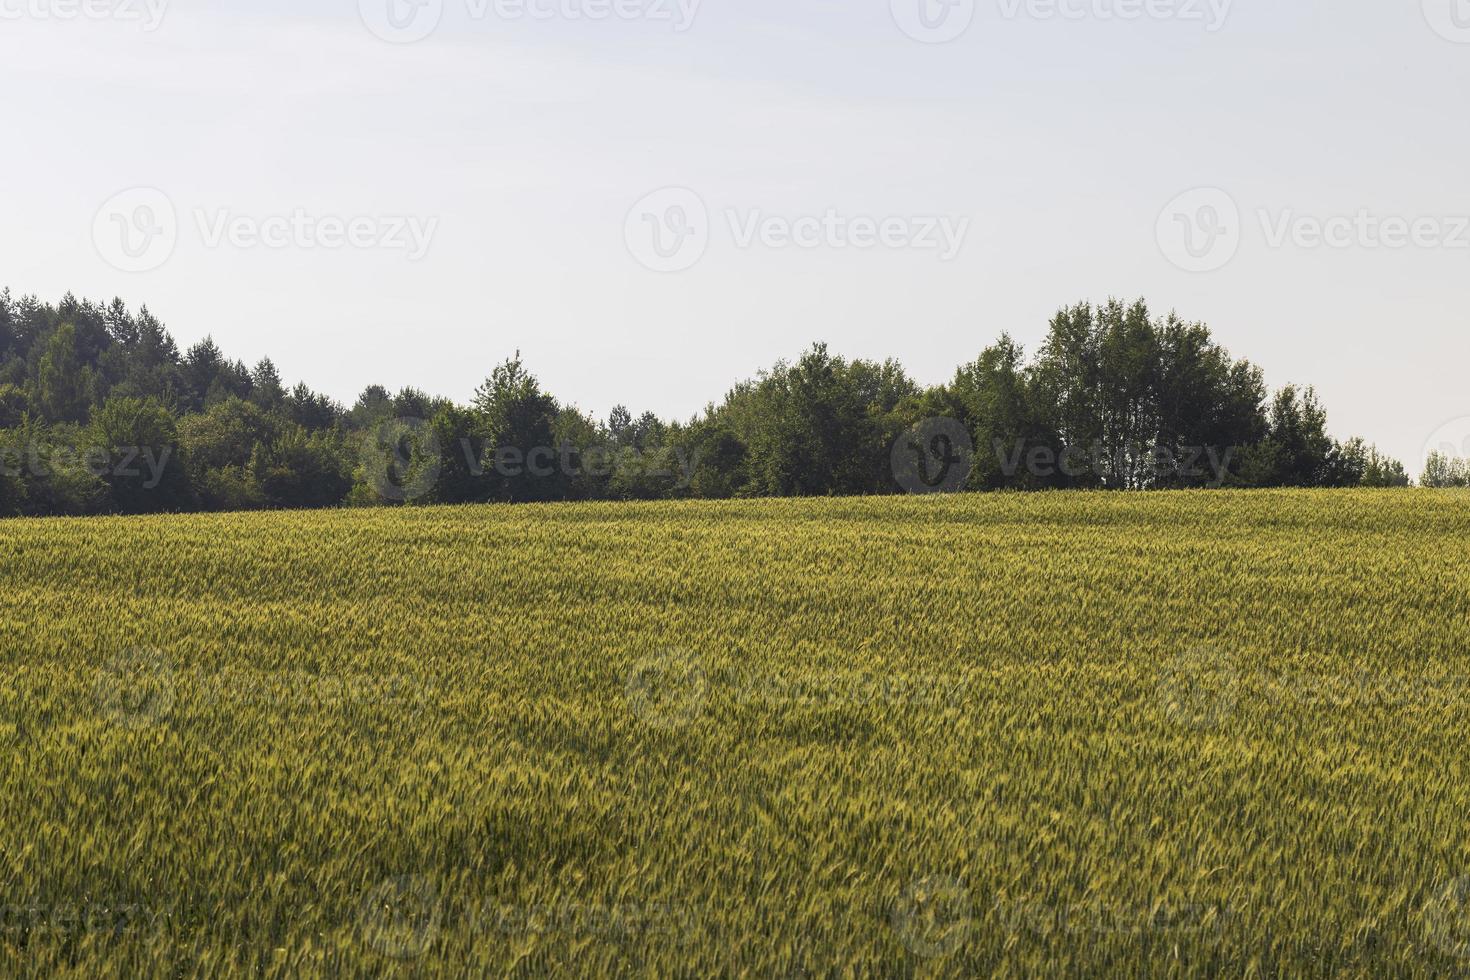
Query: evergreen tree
[518,420]
[266,389]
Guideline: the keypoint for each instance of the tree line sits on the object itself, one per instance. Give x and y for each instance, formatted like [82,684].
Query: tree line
[100,412]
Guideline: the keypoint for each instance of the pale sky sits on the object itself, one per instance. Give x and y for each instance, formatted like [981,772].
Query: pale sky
[499,158]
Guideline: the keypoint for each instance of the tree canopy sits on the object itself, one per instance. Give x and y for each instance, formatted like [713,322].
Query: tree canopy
[101,413]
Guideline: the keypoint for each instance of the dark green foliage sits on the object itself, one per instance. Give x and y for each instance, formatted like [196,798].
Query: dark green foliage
[719,463]
[300,469]
[135,443]
[266,389]
[1297,451]
[583,441]
[1442,470]
[310,410]
[373,407]
[1133,398]
[64,383]
[51,463]
[100,412]
[13,405]
[521,452]
[12,493]
[7,327]
[998,402]
[459,440]
[243,456]
[1367,467]
[821,426]
[12,468]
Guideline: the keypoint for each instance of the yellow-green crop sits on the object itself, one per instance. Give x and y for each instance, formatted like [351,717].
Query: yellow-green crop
[1147,735]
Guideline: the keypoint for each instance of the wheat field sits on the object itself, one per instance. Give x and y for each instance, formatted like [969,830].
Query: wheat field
[1074,734]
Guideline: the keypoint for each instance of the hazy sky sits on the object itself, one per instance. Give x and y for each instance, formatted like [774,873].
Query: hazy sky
[308,181]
